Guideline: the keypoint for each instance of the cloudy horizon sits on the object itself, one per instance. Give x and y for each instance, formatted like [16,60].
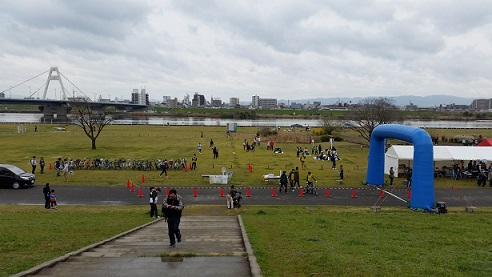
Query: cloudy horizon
[275,49]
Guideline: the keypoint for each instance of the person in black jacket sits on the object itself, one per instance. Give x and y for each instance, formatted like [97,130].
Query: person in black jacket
[172,208]
[153,202]
[46,193]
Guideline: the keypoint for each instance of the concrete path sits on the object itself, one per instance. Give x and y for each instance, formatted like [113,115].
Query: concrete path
[211,246]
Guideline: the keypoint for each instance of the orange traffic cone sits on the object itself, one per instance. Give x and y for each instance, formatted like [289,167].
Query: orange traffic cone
[51,167]
[195,193]
[248,192]
[128,184]
[143,178]
[381,194]
[167,190]
[133,188]
[221,193]
[250,168]
[274,192]
[328,193]
[140,192]
[354,193]
[409,193]
[301,192]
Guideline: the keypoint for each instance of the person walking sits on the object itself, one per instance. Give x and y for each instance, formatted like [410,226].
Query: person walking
[65,170]
[296,177]
[33,164]
[230,197]
[193,162]
[164,167]
[58,166]
[303,161]
[283,181]
[53,199]
[200,148]
[341,172]
[153,202]
[173,208]
[292,179]
[391,176]
[42,164]
[46,193]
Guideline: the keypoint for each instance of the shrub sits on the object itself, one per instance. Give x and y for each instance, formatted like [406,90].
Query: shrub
[318,131]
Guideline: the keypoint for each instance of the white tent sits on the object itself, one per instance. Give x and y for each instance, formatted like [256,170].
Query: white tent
[398,153]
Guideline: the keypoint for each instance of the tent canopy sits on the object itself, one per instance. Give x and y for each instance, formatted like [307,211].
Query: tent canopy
[396,153]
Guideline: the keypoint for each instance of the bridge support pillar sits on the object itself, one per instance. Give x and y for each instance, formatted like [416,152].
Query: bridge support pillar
[54,113]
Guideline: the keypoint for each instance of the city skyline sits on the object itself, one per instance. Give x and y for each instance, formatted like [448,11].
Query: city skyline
[276,49]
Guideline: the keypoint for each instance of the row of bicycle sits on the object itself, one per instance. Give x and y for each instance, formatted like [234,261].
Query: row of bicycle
[128,164]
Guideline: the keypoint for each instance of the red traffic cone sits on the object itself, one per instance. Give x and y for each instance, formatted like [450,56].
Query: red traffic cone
[248,192]
[195,193]
[328,193]
[409,194]
[128,184]
[132,188]
[301,192]
[51,167]
[354,193]
[167,190]
[140,192]
[143,178]
[381,194]
[221,193]
[274,192]
[186,169]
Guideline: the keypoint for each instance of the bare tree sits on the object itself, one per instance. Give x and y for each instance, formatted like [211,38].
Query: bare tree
[90,118]
[329,125]
[372,112]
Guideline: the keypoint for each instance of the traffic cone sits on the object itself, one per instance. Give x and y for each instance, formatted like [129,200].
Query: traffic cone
[221,193]
[248,192]
[133,188]
[250,168]
[143,178]
[51,167]
[140,192]
[381,194]
[186,169]
[301,192]
[354,193]
[195,193]
[409,193]
[167,190]
[128,184]
[328,193]
[274,192]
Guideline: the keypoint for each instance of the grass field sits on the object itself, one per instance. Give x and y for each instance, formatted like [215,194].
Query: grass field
[172,142]
[287,241]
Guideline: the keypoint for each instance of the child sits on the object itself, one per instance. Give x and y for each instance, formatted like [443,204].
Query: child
[53,199]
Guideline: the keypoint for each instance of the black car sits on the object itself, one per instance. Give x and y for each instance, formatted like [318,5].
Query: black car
[15,177]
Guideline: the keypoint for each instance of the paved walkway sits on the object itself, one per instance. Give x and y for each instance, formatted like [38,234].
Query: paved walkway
[211,246]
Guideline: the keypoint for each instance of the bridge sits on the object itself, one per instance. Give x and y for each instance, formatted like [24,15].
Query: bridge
[57,109]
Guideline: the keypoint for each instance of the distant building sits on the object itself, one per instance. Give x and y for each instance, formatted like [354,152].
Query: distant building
[141,98]
[255,101]
[186,101]
[481,104]
[2,95]
[165,99]
[233,101]
[296,106]
[317,103]
[268,103]
[198,100]
[215,102]
[172,103]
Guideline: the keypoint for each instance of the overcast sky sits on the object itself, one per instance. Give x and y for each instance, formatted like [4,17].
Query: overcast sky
[283,49]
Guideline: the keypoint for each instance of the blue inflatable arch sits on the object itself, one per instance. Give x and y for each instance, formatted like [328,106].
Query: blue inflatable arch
[423,158]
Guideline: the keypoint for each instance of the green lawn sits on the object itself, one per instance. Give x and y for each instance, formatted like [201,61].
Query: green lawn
[287,240]
[173,142]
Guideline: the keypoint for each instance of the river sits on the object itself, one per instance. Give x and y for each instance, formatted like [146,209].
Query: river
[279,122]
